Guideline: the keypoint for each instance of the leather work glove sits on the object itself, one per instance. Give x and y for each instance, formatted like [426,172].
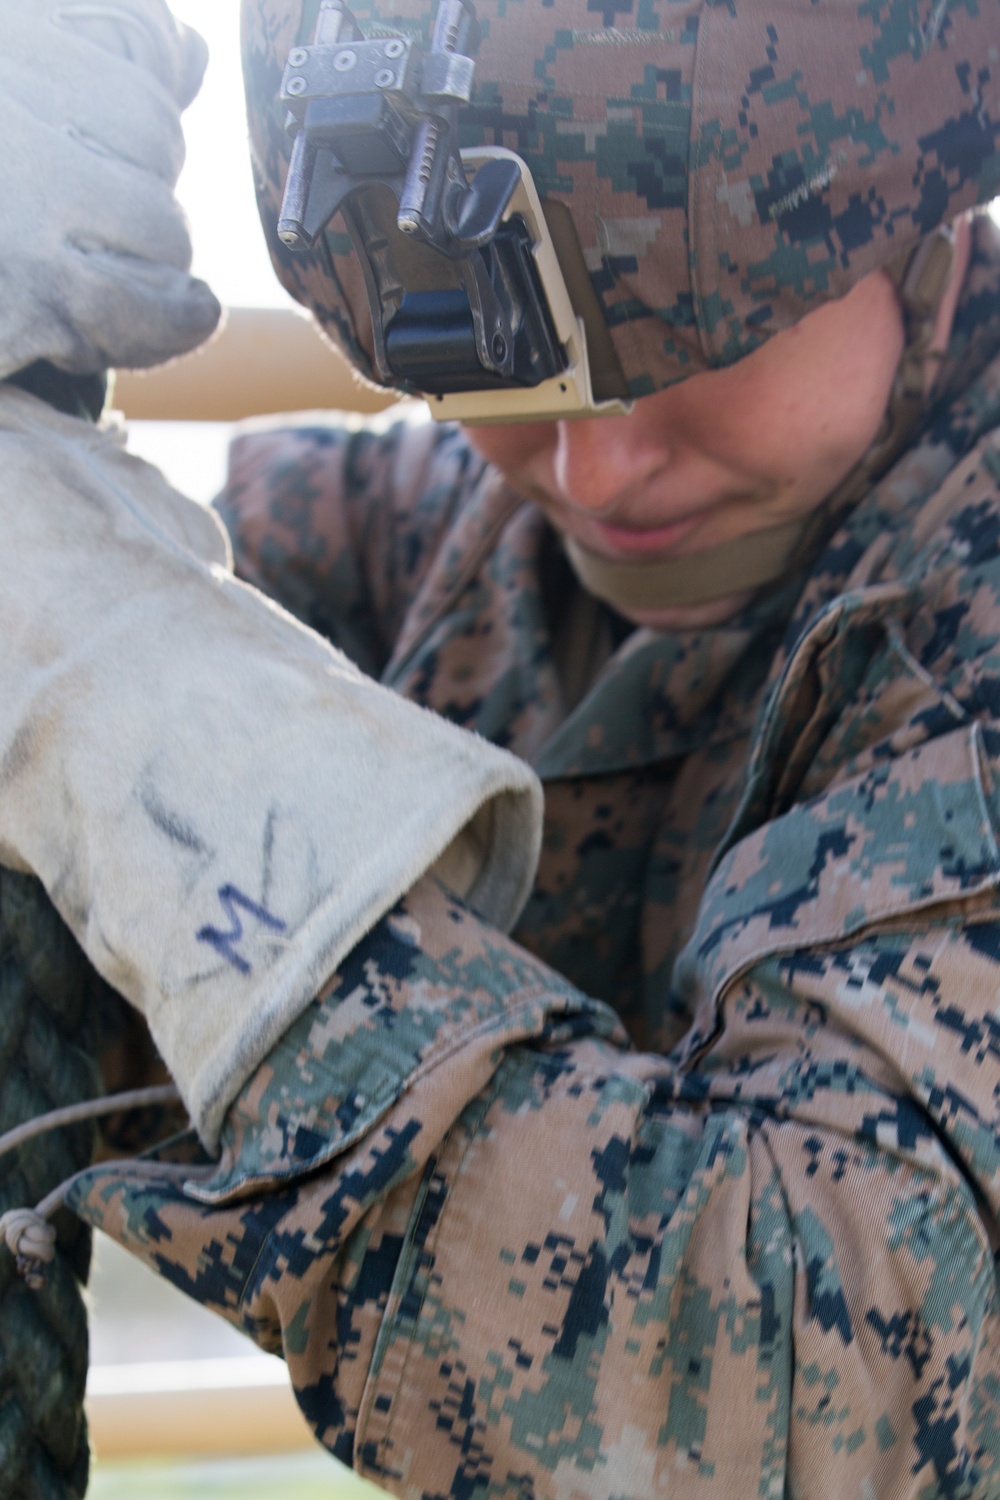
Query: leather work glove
[94,247]
[219,804]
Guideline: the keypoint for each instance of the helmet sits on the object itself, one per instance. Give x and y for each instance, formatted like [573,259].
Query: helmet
[707,172]
[690,176]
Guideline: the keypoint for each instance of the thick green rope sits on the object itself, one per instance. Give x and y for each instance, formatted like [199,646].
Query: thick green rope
[49,998]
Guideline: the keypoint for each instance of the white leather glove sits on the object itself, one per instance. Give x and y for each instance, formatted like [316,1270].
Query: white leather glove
[94,248]
[219,804]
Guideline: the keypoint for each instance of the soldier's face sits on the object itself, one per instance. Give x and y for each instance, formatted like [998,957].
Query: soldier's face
[721,455]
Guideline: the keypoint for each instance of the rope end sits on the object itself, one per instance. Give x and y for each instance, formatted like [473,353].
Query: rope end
[31,1240]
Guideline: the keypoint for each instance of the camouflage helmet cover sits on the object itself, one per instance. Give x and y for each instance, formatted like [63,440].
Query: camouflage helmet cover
[727,165]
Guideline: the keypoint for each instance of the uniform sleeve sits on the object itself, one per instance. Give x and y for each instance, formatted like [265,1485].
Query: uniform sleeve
[339,523]
[503,1254]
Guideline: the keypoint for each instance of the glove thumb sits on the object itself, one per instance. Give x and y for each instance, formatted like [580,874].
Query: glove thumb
[148,35]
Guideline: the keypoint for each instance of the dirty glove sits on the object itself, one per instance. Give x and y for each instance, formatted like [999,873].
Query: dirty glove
[94,248]
[218,802]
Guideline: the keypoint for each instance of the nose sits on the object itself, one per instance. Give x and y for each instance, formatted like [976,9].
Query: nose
[600,461]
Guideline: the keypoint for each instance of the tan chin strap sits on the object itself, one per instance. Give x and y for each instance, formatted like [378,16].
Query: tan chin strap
[735,567]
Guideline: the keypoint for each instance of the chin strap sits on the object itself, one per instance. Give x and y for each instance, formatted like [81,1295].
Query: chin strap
[747,563]
[733,567]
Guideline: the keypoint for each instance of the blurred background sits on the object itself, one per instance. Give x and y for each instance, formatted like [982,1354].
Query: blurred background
[216,186]
[216,189]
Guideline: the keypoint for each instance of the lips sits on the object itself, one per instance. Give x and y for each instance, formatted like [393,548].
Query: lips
[628,541]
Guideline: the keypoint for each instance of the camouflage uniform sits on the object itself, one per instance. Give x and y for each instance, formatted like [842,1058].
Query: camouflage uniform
[729,1227]
[727,165]
[504,1255]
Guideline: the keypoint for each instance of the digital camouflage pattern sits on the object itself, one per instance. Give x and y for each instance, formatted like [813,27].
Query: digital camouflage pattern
[503,1254]
[727,165]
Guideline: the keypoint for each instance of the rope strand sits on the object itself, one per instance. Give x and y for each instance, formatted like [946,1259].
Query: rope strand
[29,1236]
[90,1109]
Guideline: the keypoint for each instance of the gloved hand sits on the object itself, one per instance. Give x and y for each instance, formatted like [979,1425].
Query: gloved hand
[218,803]
[94,248]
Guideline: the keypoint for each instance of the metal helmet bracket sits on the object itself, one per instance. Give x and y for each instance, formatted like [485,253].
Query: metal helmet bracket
[468,302]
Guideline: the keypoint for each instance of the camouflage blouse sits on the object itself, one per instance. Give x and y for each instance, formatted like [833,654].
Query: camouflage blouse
[693,1187]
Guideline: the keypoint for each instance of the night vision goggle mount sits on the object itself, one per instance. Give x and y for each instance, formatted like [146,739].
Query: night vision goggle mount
[469,303]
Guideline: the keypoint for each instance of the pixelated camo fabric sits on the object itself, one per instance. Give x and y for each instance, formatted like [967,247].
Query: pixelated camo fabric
[728,165]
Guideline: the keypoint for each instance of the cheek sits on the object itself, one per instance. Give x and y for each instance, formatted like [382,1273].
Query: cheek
[807,405]
[839,368]
[513,448]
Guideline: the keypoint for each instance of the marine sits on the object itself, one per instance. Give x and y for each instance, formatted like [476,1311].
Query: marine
[672,1168]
